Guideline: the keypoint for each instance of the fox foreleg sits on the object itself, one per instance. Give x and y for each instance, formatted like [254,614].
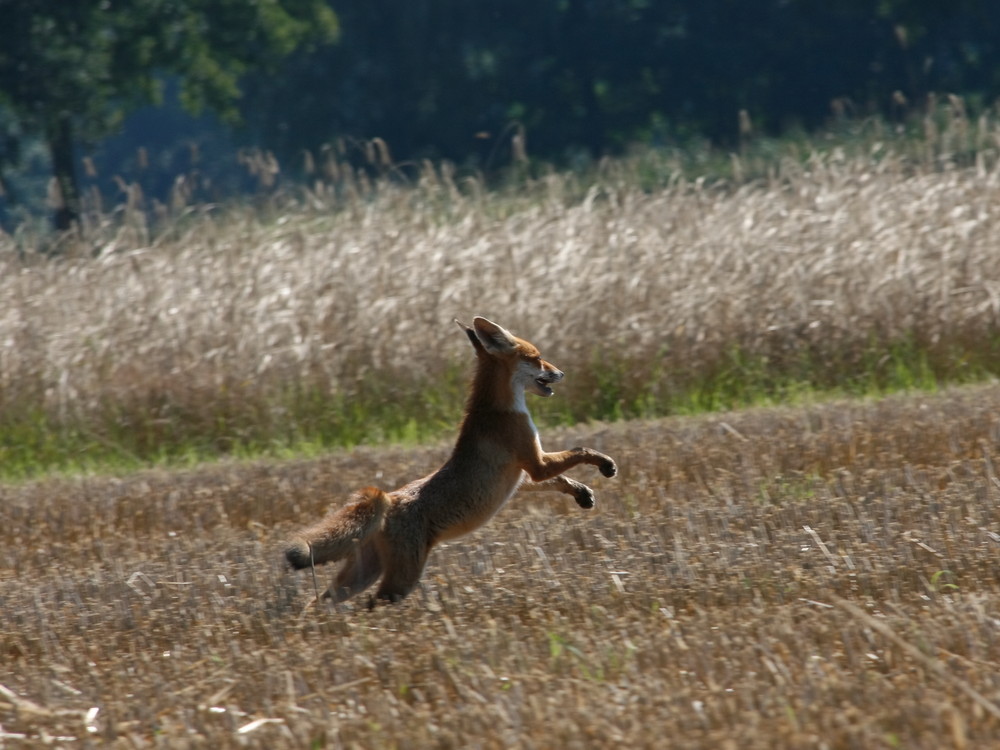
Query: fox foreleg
[580,492]
[550,465]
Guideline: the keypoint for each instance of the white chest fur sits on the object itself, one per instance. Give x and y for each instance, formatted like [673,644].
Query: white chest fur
[521,406]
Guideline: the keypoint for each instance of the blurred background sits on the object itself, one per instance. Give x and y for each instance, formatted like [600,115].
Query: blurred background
[207,100]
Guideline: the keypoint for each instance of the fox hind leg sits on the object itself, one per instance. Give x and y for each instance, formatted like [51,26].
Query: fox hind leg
[403,567]
[360,571]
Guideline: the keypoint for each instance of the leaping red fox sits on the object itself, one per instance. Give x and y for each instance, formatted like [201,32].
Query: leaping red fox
[390,534]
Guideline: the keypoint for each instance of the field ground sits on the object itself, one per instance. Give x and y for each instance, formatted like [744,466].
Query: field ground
[825,576]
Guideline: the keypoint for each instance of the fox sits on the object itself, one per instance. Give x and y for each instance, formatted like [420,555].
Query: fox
[498,451]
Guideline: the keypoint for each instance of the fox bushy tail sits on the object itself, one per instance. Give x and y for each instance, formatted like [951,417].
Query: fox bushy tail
[337,535]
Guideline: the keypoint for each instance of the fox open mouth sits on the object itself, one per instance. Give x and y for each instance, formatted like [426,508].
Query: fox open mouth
[543,386]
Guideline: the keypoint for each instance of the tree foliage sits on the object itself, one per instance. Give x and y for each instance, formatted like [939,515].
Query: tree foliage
[74,69]
[429,76]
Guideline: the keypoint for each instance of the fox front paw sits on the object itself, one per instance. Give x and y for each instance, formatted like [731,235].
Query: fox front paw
[584,497]
[608,467]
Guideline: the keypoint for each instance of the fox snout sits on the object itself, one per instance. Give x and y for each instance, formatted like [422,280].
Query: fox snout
[550,375]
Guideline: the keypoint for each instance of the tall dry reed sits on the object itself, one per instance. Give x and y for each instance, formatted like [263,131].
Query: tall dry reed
[234,328]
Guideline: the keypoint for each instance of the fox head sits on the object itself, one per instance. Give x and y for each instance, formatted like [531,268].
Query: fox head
[529,372]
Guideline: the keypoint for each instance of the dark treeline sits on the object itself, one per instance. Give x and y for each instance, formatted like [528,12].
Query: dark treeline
[455,79]
[436,77]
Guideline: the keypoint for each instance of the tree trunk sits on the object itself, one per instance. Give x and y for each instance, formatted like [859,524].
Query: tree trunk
[66,196]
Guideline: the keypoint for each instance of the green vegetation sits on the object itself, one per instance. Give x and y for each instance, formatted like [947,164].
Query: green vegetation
[73,71]
[305,424]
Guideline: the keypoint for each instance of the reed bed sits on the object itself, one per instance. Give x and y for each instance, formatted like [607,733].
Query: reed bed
[327,321]
[824,576]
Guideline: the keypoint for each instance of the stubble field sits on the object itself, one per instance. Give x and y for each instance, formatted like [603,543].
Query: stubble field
[824,576]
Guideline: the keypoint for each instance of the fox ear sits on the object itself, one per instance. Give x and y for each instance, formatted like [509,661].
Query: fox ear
[493,338]
[472,336]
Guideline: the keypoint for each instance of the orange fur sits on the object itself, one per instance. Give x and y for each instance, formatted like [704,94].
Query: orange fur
[389,535]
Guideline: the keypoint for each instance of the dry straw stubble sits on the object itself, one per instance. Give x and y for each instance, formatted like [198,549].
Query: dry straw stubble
[722,591]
